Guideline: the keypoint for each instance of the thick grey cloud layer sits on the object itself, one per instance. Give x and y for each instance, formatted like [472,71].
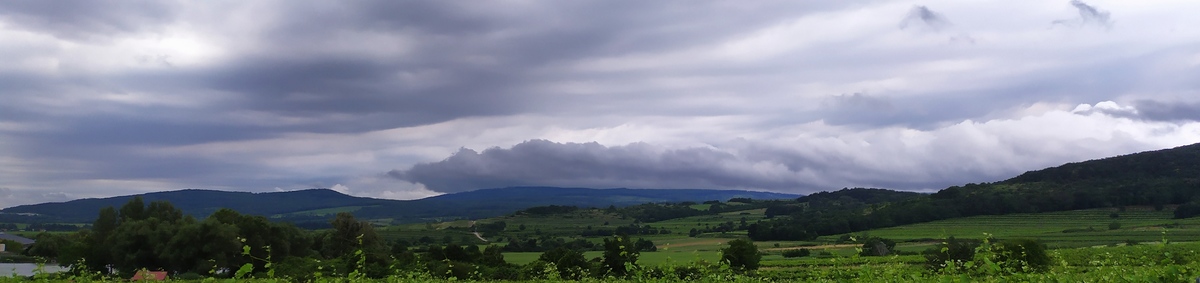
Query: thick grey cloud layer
[132,96]
[1169,111]
[891,158]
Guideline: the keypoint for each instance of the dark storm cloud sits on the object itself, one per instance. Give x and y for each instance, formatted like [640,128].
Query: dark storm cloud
[1168,111]
[1088,15]
[483,59]
[365,90]
[540,162]
[737,166]
[923,16]
[88,20]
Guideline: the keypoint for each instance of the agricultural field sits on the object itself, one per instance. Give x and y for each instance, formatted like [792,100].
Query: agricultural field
[1080,228]
[645,258]
[523,226]
[1148,245]
[1155,262]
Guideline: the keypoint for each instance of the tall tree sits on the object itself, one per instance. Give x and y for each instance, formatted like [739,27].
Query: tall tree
[133,210]
[348,235]
[619,253]
[199,247]
[163,210]
[96,254]
[742,255]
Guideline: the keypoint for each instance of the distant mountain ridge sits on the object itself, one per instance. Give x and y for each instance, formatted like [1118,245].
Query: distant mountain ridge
[200,203]
[313,205]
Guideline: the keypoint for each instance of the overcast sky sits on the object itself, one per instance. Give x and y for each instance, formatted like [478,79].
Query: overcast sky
[406,99]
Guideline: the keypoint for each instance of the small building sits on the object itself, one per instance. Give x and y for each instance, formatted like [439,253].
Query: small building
[149,275]
[25,242]
[15,238]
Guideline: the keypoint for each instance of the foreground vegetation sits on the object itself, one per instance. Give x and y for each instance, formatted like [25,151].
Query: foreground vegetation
[988,262]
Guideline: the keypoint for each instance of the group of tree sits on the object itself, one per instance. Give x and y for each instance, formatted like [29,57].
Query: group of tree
[547,210]
[725,227]
[159,236]
[631,229]
[654,212]
[1007,256]
[547,243]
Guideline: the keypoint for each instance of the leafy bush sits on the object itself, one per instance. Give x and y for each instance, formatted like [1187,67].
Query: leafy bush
[876,246]
[953,253]
[1188,210]
[619,255]
[1022,255]
[570,264]
[796,253]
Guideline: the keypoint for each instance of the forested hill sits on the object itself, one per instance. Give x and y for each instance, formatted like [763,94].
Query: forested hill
[316,206]
[1156,178]
[201,203]
[1182,163]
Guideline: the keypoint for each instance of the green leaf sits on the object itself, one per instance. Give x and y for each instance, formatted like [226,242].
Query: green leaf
[244,271]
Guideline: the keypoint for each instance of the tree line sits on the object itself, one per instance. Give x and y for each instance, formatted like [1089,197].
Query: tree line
[158,236]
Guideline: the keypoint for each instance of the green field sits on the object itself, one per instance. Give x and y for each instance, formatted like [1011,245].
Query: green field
[1078,228]
[1063,231]
[659,258]
[1068,229]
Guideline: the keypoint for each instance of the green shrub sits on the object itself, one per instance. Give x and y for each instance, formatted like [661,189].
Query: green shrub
[1022,255]
[796,253]
[742,255]
[876,246]
[570,263]
[953,253]
[689,272]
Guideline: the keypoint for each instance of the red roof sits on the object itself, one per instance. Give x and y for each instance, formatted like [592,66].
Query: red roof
[149,275]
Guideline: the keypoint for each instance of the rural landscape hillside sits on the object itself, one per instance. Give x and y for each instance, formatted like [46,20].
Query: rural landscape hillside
[317,205]
[509,233]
